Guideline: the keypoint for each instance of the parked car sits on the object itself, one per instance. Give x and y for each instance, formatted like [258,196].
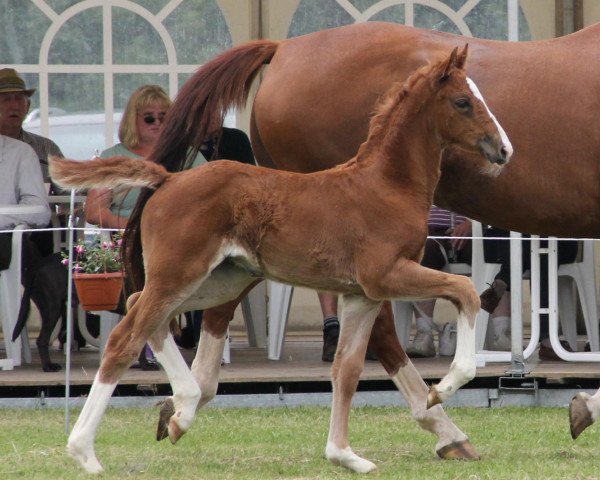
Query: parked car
[78,135]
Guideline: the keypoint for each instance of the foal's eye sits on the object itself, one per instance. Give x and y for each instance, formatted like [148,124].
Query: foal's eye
[462,104]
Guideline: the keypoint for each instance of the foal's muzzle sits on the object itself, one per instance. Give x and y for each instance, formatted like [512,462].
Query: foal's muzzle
[495,150]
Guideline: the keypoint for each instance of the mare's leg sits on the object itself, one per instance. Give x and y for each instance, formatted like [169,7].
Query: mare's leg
[451,441]
[358,316]
[410,280]
[583,411]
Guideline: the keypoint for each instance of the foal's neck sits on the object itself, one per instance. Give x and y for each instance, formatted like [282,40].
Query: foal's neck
[404,146]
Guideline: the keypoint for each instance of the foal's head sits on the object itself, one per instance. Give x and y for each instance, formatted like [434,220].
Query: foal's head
[463,119]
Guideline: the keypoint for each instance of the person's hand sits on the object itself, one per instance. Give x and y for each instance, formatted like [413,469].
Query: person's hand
[462,230]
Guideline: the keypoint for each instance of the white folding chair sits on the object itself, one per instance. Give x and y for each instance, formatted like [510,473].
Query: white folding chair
[580,275]
[10,295]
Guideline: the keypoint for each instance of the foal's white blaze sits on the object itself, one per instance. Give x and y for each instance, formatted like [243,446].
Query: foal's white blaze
[507,145]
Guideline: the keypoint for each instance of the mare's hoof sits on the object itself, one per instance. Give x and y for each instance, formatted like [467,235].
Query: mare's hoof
[52,367]
[167,410]
[175,433]
[433,397]
[459,451]
[579,415]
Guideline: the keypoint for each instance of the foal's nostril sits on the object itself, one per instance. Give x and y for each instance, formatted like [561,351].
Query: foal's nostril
[504,152]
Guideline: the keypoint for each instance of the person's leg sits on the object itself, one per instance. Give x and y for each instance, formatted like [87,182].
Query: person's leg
[5,250]
[422,345]
[331,324]
[496,251]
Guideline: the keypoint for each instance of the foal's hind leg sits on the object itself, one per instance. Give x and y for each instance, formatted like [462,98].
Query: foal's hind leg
[147,316]
[358,316]
[452,443]
[207,363]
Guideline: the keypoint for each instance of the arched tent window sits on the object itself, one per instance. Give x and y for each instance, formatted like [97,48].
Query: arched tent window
[494,19]
[86,57]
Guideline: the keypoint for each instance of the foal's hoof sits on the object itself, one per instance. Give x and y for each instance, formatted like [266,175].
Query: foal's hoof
[579,415]
[167,410]
[459,451]
[433,397]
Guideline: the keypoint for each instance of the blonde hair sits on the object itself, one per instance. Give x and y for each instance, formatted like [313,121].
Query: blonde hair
[140,98]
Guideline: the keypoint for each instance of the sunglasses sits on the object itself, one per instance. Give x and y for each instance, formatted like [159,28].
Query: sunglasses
[150,119]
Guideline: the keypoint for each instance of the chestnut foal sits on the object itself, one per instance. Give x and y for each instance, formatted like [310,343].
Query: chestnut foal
[210,232]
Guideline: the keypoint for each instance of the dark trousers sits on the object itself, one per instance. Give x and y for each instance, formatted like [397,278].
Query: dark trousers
[498,251]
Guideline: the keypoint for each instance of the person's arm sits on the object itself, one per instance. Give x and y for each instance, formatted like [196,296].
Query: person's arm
[463,230]
[97,209]
[29,190]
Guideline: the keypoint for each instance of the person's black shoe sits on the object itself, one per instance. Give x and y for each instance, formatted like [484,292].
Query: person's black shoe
[490,298]
[330,341]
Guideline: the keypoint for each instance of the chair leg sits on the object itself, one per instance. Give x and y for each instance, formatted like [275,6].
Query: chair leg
[587,297]
[254,310]
[567,309]
[280,299]
[403,318]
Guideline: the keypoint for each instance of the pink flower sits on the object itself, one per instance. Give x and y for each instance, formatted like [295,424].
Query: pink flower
[77,268]
[79,249]
[65,261]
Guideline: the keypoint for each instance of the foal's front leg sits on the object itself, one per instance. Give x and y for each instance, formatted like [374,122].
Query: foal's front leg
[408,279]
[358,316]
[452,443]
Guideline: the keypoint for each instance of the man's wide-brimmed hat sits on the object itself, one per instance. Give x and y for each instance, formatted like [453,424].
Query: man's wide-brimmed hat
[11,82]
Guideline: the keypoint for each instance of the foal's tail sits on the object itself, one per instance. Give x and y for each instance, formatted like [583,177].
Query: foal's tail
[110,172]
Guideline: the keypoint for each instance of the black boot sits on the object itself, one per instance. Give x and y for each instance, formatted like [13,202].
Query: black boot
[331,332]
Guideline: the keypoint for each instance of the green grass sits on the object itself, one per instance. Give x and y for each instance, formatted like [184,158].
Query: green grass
[515,443]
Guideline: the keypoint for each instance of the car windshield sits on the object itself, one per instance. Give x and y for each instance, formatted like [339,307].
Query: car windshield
[80,135]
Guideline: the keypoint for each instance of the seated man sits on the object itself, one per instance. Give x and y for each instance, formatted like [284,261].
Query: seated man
[21,183]
[15,102]
[438,253]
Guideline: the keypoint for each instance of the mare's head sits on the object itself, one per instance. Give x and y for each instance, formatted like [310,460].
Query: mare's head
[463,119]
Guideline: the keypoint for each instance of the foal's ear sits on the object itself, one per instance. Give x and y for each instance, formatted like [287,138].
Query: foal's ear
[461,58]
[455,60]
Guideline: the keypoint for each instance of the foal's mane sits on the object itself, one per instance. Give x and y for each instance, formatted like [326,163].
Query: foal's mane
[393,102]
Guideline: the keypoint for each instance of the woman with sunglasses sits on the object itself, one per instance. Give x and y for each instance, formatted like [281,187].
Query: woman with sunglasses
[139,130]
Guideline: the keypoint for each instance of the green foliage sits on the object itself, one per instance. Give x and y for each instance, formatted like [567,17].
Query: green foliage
[280,443]
[96,256]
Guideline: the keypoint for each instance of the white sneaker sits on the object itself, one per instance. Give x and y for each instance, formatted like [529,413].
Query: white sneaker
[447,342]
[499,334]
[422,346]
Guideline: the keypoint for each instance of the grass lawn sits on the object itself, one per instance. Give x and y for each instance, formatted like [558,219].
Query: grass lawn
[515,443]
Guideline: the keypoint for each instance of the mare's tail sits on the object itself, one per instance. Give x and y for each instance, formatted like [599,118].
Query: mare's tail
[106,173]
[200,107]
[196,114]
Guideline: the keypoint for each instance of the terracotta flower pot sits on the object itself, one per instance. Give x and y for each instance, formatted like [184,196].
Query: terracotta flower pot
[99,291]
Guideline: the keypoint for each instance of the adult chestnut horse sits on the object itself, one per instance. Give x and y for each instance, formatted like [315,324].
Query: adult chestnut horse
[228,223]
[311,112]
